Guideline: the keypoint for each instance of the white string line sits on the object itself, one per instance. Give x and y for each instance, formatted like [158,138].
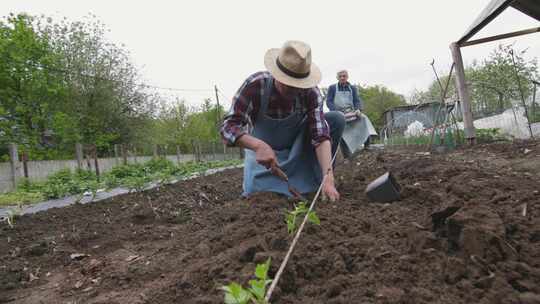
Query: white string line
[297,236]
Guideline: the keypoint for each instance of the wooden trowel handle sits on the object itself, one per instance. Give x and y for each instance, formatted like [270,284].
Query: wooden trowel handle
[276,170]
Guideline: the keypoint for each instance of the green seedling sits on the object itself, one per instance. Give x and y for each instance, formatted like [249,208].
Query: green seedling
[236,294]
[11,215]
[291,217]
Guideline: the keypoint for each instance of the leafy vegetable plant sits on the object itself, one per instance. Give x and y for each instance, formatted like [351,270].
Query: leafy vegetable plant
[236,294]
[291,217]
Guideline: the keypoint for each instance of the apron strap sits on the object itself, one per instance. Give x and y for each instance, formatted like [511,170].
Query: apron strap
[265,98]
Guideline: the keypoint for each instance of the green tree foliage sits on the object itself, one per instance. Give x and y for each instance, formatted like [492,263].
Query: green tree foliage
[378,99]
[62,82]
[178,124]
[492,82]
[28,92]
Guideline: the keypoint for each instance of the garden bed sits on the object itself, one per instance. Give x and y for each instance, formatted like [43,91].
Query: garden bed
[459,235]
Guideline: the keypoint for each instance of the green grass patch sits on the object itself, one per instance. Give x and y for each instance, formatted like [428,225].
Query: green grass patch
[133,176]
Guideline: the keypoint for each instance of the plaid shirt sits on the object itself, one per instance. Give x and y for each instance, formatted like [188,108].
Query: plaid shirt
[247,102]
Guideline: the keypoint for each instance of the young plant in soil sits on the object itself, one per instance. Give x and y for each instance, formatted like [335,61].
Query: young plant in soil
[236,294]
[11,216]
[291,217]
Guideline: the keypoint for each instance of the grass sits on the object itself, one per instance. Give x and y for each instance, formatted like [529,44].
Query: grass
[133,176]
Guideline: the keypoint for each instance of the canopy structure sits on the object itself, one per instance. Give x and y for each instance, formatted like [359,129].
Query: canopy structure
[492,10]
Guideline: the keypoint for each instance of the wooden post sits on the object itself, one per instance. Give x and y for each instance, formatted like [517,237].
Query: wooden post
[124,154]
[96,162]
[25,163]
[218,108]
[15,165]
[87,155]
[178,154]
[534,99]
[79,155]
[463,94]
[116,153]
[200,151]
[155,151]
[134,153]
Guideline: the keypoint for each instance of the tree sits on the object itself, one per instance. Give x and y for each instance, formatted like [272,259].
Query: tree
[378,99]
[28,91]
[492,82]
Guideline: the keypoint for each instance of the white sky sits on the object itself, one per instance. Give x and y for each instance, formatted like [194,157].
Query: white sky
[196,44]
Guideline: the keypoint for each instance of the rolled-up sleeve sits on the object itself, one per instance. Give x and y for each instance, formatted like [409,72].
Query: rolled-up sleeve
[318,128]
[234,124]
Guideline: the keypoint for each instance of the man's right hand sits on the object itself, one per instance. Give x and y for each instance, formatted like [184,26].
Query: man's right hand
[265,155]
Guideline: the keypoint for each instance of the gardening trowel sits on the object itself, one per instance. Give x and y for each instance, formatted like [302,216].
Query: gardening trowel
[277,171]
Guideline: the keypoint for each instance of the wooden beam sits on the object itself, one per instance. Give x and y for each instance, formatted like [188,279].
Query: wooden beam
[499,37]
[463,93]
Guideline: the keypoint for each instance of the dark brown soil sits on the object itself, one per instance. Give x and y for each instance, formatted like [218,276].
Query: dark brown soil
[458,235]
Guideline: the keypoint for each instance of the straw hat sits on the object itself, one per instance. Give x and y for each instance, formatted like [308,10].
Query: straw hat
[291,65]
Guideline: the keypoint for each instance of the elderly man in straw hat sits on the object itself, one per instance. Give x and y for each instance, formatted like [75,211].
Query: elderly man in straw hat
[284,108]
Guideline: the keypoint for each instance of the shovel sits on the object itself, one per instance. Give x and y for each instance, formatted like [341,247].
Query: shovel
[277,171]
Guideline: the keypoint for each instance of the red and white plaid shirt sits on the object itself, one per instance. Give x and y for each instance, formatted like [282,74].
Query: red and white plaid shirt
[247,102]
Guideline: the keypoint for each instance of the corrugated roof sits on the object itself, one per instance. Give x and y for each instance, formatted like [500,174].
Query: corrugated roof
[495,8]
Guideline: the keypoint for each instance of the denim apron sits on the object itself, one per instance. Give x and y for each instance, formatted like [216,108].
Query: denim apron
[356,131]
[289,139]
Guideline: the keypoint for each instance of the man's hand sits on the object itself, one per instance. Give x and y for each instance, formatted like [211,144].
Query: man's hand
[329,189]
[265,155]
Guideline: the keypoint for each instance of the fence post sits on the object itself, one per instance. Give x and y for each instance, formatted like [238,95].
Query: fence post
[155,151]
[79,155]
[15,165]
[134,153]
[25,163]
[87,156]
[116,160]
[96,162]
[178,154]
[200,151]
[124,154]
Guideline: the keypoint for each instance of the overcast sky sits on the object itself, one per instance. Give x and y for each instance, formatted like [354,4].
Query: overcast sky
[196,44]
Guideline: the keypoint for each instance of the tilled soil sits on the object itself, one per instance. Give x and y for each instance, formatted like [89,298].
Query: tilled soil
[467,230]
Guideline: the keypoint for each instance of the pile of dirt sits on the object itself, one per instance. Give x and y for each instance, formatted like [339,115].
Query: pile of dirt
[467,230]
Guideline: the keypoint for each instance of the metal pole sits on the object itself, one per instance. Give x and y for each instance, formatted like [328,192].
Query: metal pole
[463,93]
[502,36]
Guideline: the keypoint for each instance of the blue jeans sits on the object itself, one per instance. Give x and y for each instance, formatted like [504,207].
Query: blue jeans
[336,122]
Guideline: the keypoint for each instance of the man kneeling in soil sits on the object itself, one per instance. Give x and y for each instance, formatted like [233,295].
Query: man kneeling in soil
[284,109]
